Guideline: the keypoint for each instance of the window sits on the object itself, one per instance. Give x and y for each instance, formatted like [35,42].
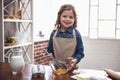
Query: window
[103,20]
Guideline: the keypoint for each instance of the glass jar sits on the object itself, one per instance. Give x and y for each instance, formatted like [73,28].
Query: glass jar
[59,70]
[38,71]
[16,61]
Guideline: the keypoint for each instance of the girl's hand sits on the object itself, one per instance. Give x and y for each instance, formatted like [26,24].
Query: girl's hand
[72,63]
[49,56]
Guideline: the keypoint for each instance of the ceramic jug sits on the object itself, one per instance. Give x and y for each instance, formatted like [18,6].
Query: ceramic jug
[16,61]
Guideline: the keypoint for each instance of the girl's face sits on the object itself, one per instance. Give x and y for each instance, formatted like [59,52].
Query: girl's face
[67,19]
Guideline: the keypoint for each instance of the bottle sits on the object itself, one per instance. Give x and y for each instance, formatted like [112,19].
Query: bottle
[16,61]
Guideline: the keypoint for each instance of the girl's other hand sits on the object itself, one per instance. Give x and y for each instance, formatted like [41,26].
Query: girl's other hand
[49,56]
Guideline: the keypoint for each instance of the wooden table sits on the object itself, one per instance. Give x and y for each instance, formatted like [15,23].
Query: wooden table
[6,73]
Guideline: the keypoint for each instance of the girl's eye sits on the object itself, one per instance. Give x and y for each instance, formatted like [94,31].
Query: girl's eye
[71,17]
[64,16]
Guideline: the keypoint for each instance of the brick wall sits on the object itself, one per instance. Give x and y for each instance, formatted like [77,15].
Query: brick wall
[39,54]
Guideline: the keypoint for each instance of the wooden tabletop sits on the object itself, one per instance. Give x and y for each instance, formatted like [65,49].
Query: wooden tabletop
[6,73]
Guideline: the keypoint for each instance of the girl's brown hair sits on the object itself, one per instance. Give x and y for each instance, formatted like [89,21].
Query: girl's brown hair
[63,8]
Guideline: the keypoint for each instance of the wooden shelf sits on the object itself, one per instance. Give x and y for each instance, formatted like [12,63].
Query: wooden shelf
[18,45]
[16,20]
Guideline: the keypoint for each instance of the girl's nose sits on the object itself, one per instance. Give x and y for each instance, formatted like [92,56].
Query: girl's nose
[67,18]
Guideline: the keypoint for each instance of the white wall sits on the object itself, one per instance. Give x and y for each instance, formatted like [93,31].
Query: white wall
[101,54]
[42,17]
[45,14]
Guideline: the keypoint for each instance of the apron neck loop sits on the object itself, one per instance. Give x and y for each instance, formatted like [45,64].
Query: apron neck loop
[74,35]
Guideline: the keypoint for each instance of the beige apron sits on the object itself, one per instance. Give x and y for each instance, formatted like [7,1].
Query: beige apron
[64,47]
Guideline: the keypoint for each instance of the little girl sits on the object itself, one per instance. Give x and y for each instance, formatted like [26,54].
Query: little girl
[65,41]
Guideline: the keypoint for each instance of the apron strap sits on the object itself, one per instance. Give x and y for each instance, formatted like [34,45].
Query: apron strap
[74,33]
[55,33]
